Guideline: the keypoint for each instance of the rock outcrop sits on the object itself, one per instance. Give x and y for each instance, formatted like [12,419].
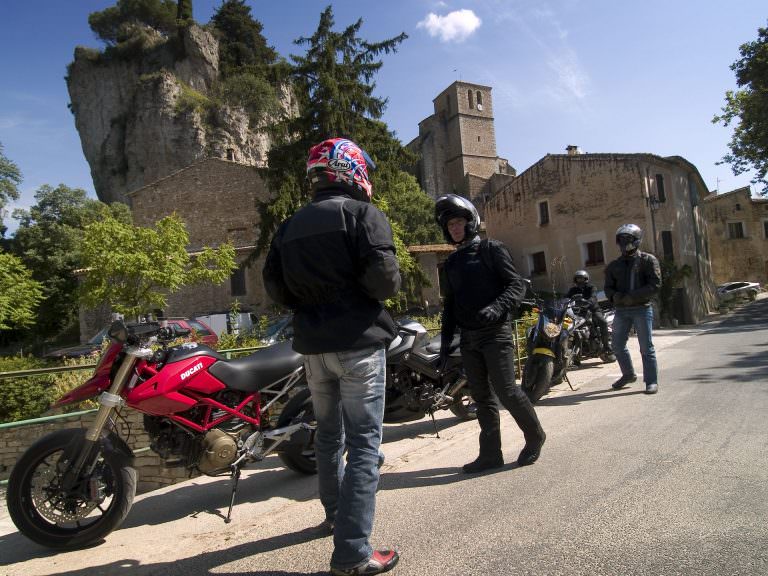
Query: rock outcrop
[137,117]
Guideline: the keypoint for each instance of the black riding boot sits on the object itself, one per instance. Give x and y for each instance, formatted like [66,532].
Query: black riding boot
[490,453]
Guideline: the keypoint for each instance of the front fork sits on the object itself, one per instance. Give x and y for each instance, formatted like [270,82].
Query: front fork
[109,402]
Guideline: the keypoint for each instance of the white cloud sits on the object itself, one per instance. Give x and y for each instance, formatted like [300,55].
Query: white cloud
[572,80]
[454,26]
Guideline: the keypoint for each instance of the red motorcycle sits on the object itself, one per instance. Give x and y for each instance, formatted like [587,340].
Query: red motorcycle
[202,412]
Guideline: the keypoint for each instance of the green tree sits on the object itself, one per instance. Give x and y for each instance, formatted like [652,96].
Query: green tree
[128,18]
[184,10]
[133,269]
[242,47]
[747,107]
[10,178]
[48,242]
[333,84]
[248,74]
[19,293]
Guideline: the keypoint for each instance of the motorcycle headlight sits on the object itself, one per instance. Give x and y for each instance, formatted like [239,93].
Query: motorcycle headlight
[551,329]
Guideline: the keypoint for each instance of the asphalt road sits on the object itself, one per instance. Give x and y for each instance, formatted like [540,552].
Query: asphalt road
[627,484]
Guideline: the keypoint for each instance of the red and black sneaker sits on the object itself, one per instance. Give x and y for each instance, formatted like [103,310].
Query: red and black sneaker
[380,561]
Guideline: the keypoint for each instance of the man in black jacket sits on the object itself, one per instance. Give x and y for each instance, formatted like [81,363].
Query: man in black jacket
[631,282]
[482,290]
[332,263]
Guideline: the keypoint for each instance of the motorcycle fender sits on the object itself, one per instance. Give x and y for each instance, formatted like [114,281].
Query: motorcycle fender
[545,351]
[112,442]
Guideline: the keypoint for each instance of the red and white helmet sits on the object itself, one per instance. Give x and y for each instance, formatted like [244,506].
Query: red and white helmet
[340,163]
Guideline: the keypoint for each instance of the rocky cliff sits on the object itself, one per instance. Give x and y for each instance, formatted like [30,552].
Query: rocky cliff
[144,117]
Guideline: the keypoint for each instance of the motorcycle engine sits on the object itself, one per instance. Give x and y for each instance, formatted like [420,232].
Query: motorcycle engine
[419,389]
[211,452]
[219,450]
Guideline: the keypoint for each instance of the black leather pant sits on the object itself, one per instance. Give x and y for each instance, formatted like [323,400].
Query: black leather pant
[489,360]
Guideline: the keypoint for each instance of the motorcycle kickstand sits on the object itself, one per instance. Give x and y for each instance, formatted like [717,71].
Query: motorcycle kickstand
[434,423]
[235,478]
[569,382]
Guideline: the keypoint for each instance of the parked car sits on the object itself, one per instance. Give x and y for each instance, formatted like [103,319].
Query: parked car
[206,334]
[280,328]
[734,290]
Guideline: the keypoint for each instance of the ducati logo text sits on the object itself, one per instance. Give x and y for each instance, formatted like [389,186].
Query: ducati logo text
[187,373]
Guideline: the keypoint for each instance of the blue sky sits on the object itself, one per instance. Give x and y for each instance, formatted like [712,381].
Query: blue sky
[604,75]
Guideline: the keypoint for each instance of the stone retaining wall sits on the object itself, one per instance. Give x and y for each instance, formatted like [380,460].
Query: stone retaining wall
[152,474]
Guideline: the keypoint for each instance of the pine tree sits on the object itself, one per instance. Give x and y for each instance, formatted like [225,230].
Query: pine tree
[333,83]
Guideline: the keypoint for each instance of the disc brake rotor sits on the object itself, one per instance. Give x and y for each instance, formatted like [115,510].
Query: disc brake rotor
[57,506]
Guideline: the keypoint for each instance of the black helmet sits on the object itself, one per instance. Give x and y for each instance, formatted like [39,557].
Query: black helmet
[453,206]
[628,237]
[581,274]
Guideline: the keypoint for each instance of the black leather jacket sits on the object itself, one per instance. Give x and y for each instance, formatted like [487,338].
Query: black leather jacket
[473,282]
[332,263]
[633,280]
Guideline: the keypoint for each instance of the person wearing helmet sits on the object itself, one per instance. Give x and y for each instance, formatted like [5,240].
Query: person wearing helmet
[333,263]
[482,292]
[582,287]
[631,282]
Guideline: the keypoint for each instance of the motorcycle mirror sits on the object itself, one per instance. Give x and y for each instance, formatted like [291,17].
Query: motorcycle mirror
[118,331]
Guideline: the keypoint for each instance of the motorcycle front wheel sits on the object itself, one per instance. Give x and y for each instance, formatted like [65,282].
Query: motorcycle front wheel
[464,407]
[537,376]
[97,503]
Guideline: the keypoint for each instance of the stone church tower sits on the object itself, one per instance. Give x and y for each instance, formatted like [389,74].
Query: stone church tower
[457,145]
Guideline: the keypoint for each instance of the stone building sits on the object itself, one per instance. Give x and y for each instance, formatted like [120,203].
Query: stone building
[457,145]
[561,214]
[218,201]
[738,236]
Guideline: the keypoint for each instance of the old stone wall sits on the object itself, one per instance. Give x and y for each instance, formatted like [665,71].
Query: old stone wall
[218,201]
[587,197]
[733,258]
[150,468]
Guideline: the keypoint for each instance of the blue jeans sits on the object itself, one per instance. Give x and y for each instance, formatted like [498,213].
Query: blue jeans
[348,397]
[642,318]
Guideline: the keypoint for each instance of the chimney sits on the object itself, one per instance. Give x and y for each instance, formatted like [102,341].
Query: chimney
[573,150]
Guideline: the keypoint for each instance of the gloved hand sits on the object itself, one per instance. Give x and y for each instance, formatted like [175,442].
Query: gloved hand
[490,314]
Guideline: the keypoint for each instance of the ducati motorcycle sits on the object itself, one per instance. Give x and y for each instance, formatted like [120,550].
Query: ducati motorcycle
[585,338]
[548,349]
[202,412]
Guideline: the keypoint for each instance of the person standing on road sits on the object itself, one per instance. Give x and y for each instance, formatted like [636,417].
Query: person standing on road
[332,263]
[631,281]
[482,289]
[582,287]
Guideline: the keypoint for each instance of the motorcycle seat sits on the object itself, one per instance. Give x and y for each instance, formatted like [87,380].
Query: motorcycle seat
[258,370]
[433,346]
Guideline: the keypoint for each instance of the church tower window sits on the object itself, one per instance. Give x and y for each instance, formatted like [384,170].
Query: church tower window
[469,98]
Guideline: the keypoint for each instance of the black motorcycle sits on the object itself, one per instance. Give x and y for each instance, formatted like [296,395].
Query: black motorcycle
[586,339]
[548,348]
[415,385]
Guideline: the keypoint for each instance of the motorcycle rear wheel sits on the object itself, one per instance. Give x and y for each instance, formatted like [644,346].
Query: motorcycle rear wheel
[54,518]
[537,376]
[464,407]
[298,453]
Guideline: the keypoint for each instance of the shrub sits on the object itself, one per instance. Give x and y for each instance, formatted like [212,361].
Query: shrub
[24,398]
